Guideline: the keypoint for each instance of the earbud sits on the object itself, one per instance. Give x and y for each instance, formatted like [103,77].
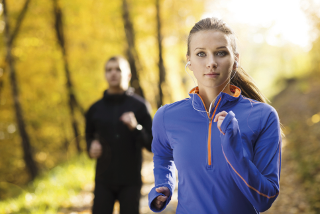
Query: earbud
[189,63]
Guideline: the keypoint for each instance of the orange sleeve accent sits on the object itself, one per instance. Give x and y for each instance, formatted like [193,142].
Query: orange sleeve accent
[245,181]
[249,99]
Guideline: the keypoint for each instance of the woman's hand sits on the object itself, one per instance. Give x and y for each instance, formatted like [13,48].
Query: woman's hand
[219,118]
[95,149]
[159,201]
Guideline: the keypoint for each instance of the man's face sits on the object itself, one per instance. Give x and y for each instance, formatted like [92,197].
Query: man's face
[117,75]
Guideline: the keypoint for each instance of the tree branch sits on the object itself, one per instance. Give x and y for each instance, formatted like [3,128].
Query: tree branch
[19,22]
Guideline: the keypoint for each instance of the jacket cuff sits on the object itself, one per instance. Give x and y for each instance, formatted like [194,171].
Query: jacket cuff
[153,194]
[227,121]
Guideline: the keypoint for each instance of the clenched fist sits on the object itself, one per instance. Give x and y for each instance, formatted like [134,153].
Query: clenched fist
[219,118]
[159,201]
[129,119]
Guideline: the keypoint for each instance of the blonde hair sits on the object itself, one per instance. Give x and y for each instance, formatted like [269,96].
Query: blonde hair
[241,78]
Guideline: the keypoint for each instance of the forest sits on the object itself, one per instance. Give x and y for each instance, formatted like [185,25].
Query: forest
[52,55]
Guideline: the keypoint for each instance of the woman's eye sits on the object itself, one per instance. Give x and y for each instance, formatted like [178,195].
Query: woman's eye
[221,53]
[201,54]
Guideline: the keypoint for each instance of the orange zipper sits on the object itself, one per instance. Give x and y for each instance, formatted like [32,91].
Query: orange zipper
[209,130]
[209,133]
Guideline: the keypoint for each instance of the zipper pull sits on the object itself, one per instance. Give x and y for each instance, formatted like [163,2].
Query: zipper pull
[210,108]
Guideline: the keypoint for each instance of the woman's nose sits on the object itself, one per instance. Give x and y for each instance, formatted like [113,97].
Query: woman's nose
[212,62]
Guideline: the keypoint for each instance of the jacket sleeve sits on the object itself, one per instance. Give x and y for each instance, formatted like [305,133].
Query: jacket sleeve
[89,129]
[258,179]
[164,167]
[143,132]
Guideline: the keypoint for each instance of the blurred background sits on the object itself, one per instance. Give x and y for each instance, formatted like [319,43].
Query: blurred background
[51,70]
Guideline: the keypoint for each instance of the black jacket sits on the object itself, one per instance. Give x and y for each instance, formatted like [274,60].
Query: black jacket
[121,159]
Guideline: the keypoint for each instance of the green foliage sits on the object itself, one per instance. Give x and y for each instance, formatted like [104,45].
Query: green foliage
[53,189]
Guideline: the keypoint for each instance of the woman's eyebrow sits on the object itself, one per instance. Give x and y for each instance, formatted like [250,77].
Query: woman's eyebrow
[217,47]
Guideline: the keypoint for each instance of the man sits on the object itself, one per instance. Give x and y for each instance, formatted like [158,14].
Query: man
[117,127]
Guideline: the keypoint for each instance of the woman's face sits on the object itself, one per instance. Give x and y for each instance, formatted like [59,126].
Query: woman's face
[211,57]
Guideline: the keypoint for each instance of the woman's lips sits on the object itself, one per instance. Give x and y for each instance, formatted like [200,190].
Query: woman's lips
[212,75]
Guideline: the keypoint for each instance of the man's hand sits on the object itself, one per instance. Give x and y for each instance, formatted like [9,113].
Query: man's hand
[95,149]
[219,118]
[159,201]
[129,119]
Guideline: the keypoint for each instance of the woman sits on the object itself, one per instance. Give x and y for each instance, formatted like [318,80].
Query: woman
[224,140]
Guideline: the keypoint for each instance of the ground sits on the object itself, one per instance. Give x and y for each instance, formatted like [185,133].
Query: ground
[290,201]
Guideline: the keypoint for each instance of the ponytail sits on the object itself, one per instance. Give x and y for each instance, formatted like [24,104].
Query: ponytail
[247,85]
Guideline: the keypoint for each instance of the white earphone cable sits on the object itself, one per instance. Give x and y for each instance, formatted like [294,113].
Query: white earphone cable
[210,107]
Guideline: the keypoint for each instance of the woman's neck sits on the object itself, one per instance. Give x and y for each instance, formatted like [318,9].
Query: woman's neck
[209,95]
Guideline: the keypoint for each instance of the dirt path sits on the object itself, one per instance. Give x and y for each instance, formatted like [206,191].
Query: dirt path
[82,203]
[290,201]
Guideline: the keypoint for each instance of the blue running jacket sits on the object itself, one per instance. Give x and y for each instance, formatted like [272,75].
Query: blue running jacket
[238,172]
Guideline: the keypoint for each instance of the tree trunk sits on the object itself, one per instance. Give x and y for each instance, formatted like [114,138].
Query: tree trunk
[132,54]
[14,35]
[27,150]
[73,103]
[162,71]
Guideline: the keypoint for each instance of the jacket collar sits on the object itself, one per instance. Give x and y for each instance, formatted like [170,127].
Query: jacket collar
[118,98]
[113,98]
[225,100]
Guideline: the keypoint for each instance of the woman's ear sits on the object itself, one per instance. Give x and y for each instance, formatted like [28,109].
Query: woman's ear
[237,57]
[188,62]
[236,61]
